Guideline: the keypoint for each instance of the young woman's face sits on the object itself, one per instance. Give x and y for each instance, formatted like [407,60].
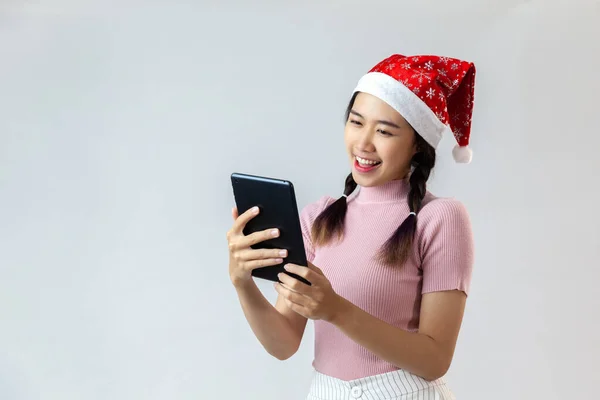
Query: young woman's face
[379,141]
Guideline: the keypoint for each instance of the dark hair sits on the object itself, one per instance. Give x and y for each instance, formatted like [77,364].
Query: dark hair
[329,224]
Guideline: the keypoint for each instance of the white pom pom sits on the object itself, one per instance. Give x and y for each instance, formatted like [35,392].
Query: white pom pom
[462,154]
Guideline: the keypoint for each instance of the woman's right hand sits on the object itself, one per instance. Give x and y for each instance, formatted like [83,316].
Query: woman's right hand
[242,258]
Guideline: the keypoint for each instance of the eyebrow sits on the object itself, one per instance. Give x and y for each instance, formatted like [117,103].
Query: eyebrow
[378,121]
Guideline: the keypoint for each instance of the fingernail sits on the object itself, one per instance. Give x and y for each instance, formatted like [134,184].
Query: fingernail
[283,253]
[286,267]
[254,210]
[275,232]
[279,260]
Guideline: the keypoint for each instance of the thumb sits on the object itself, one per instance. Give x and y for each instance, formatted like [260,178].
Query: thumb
[234,213]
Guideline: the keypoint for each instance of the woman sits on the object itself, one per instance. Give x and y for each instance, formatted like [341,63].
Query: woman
[390,265]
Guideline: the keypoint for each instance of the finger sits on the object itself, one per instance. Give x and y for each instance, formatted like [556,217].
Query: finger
[292,296]
[234,213]
[259,254]
[258,237]
[267,262]
[306,273]
[243,219]
[294,284]
[299,309]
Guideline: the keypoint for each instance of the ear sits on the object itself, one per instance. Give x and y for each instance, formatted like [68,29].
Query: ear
[415,145]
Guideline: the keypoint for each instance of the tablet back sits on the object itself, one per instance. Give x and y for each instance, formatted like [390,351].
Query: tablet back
[276,200]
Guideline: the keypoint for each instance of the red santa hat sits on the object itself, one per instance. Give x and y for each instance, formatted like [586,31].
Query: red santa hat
[434,94]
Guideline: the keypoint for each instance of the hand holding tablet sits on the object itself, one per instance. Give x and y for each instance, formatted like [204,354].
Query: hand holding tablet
[266,233]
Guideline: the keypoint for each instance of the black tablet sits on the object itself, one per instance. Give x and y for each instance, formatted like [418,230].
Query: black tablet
[276,200]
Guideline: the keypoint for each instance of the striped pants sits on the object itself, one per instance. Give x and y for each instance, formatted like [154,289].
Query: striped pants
[396,385]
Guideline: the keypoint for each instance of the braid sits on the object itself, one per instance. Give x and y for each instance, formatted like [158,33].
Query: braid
[331,221]
[398,247]
[418,180]
[350,185]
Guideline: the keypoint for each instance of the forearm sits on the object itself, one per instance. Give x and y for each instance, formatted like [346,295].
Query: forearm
[414,352]
[271,328]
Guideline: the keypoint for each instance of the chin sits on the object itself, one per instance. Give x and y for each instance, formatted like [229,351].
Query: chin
[365,181]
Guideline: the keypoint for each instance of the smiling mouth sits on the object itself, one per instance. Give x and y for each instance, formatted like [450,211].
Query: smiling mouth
[364,162]
[363,165]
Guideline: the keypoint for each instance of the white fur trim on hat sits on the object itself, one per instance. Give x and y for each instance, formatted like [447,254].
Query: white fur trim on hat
[414,110]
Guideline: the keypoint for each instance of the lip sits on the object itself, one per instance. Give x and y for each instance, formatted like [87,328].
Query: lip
[364,170]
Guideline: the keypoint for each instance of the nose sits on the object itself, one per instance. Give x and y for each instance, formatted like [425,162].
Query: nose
[364,142]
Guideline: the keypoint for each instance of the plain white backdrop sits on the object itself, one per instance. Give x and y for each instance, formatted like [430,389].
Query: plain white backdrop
[121,122]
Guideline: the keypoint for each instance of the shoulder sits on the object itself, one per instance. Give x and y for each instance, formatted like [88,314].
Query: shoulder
[444,210]
[308,215]
[310,211]
[444,220]
[446,245]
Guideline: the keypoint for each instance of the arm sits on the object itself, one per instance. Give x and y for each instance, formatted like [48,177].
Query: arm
[446,246]
[278,328]
[428,352]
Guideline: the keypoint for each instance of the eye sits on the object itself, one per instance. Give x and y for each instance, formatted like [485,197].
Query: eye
[355,122]
[384,133]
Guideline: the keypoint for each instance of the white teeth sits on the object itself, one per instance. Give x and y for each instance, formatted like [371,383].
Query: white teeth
[363,161]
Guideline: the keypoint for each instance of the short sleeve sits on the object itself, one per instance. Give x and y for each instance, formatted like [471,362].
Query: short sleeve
[307,217]
[446,246]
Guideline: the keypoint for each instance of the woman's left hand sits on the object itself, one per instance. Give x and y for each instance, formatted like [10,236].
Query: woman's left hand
[317,301]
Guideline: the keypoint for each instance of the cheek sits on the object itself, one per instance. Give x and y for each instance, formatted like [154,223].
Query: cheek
[397,156]
[348,138]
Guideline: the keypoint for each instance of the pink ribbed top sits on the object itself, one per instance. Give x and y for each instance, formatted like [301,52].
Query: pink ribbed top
[442,259]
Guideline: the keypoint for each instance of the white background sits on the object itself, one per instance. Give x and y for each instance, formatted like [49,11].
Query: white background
[121,122]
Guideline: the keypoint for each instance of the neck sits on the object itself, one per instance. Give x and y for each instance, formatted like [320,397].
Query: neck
[390,191]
